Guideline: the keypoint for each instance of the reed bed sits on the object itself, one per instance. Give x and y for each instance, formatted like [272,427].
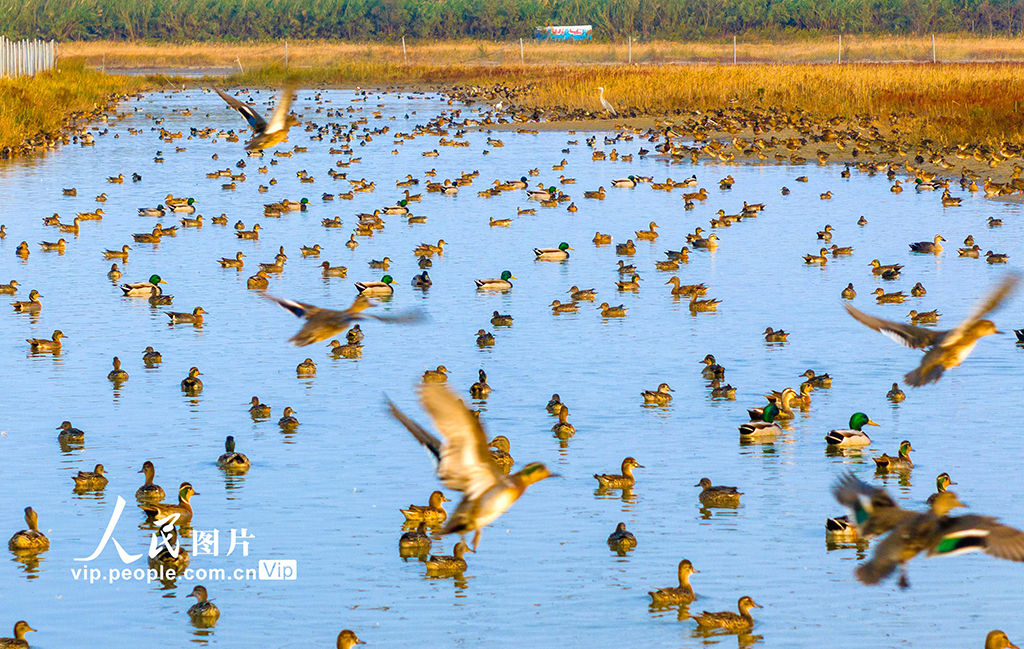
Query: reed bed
[41,107]
[318,53]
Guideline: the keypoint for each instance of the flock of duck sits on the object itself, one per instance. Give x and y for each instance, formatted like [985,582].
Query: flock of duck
[469,461]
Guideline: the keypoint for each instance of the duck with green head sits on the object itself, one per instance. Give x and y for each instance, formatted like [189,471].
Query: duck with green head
[182,508]
[230,460]
[553,254]
[500,284]
[901,462]
[766,428]
[853,436]
[382,288]
[192,384]
[144,289]
[942,482]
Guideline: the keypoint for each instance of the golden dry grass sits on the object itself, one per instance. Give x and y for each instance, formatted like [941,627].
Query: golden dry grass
[470,52]
[41,105]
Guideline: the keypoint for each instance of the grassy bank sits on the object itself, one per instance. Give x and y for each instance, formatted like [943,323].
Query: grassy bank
[315,53]
[36,109]
[947,103]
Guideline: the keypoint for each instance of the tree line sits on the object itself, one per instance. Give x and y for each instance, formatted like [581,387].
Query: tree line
[185,20]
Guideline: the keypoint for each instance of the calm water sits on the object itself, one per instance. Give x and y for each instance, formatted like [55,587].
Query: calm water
[328,496]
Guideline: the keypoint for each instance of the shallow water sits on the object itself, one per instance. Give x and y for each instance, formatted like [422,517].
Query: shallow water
[328,495]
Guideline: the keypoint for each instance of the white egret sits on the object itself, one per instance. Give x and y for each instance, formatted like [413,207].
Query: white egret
[605,103]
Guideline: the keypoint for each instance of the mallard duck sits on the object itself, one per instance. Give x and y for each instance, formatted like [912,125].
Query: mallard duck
[196,317]
[288,420]
[501,453]
[54,246]
[933,247]
[703,305]
[306,368]
[559,307]
[553,254]
[602,239]
[924,316]
[628,182]
[422,280]
[258,410]
[501,284]
[901,462]
[945,349]
[433,513]
[998,640]
[612,311]
[354,335]
[627,248]
[191,384]
[895,394]
[117,374]
[143,289]
[719,391]
[69,434]
[878,269]
[772,336]
[934,532]
[382,288]
[453,564]
[322,324]
[32,305]
[439,375]
[650,234]
[480,389]
[840,530]
[21,627]
[424,262]
[47,345]
[253,234]
[625,480]
[675,595]
[633,284]
[90,480]
[265,135]
[712,370]
[258,281]
[182,511]
[381,263]
[415,543]
[149,492]
[72,228]
[587,294]
[661,396]
[227,262]
[621,540]
[728,619]
[817,380]
[942,482]
[555,404]
[30,540]
[686,290]
[765,429]
[854,436]
[9,289]
[203,612]
[115,273]
[152,211]
[717,496]
[427,250]
[231,460]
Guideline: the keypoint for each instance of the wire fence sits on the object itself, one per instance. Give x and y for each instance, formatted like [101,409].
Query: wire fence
[26,58]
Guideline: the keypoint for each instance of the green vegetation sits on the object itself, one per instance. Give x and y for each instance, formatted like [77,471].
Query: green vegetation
[36,109]
[496,19]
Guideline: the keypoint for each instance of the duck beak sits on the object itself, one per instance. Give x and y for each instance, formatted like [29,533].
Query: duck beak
[999,332]
[139,471]
[570,248]
[640,466]
[871,423]
[758,606]
[697,485]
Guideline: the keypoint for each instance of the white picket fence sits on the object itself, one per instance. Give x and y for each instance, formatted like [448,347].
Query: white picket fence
[26,58]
